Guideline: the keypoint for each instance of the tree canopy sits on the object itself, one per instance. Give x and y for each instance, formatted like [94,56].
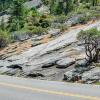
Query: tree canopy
[91,42]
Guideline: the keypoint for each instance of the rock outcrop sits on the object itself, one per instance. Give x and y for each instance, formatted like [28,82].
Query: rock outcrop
[45,60]
[65,62]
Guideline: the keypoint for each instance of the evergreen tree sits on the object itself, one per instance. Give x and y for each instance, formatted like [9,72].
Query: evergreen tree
[2,24]
[16,20]
[69,6]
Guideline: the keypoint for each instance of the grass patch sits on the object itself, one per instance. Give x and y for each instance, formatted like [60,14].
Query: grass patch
[98,83]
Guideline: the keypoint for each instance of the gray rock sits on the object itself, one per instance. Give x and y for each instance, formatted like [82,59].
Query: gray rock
[73,20]
[35,43]
[21,36]
[81,63]
[44,9]
[44,54]
[33,4]
[54,32]
[72,76]
[76,73]
[37,38]
[82,69]
[11,72]
[5,18]
[4,70]
[68,75]
[48,65]
[65,62]
[93,74]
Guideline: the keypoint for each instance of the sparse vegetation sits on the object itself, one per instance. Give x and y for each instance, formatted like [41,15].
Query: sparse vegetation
[91,42]
[5,38]
[98,83]
[22,18]
[43,43]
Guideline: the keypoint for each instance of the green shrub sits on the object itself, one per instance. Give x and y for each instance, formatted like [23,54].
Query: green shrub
[90,40]
[45,24]
[44,21]
[39,30]
[97,83]
[83,20]
[97,8]
[63,28]
[60,19]
[94,14]
[5,38]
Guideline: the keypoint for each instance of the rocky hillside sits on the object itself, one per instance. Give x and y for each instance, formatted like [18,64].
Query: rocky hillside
[54,59]
[39,39]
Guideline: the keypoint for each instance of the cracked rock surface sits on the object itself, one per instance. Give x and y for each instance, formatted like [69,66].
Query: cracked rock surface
[45,61]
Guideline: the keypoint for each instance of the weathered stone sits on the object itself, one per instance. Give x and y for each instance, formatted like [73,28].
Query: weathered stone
[68,75]
[5,18]
[73,20]
[65,62]
[37,38]
[54,32]
[76,73]
[11,72]
[35,43]
[44,54]
[4,70]
[81,63]
[44,9]
[72,76]
[21,36]
[48,65]
[33,4]
[92,75]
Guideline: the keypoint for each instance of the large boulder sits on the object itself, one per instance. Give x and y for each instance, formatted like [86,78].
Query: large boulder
[72,75]
[73,20]
[21,36]
[65,62]
[81,63]
[76,73]
[86,75]
[92,75]
[33,4]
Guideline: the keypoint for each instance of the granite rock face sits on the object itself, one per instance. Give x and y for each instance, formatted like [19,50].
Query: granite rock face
[65,62]
[84,74]
[45,58]
[54,32]
[91,75]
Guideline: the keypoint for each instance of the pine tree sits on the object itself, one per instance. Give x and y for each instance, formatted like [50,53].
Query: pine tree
[2,24]
[16,20]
